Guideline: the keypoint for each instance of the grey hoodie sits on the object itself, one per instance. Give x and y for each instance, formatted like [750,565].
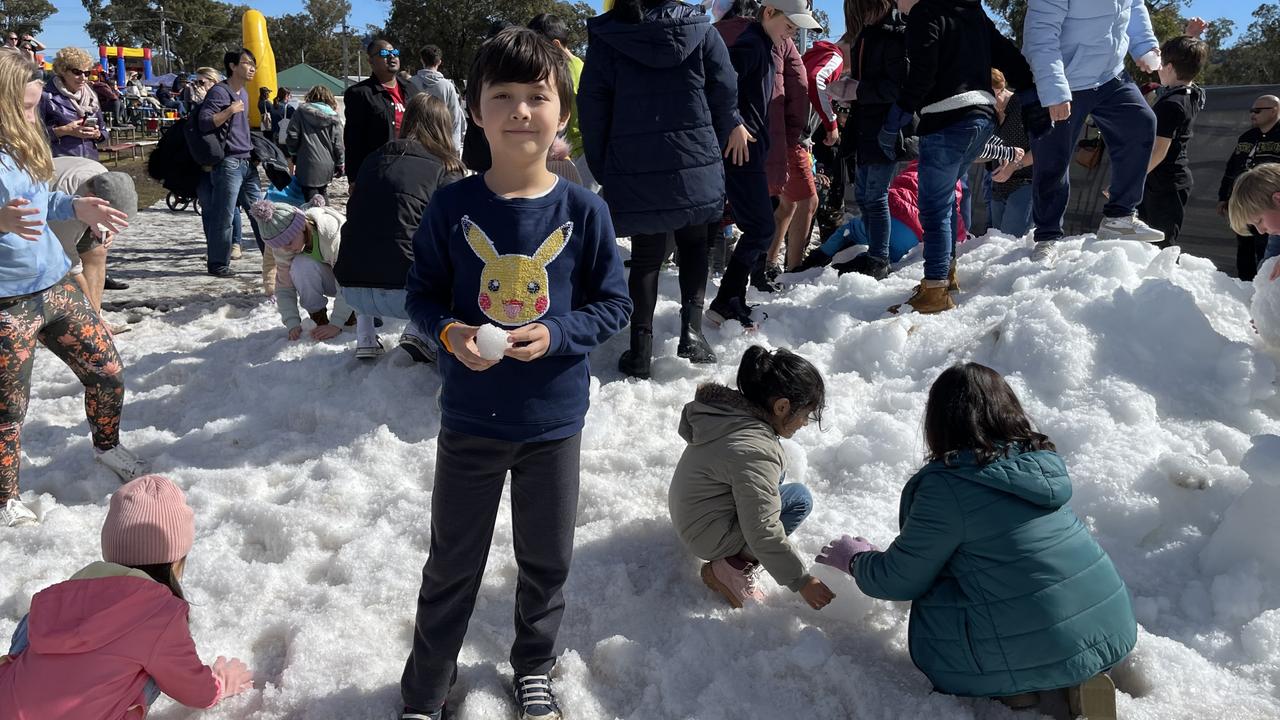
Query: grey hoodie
[724,495]
[434,83]
[314,138]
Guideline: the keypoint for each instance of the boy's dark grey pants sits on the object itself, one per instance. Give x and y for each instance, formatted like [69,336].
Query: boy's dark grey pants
[470,475]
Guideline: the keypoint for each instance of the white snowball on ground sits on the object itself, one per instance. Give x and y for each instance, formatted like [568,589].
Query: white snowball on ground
[1265,307]
[850,603]
[491,341]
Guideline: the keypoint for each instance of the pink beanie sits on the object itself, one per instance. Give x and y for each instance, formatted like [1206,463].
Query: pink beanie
[148,523]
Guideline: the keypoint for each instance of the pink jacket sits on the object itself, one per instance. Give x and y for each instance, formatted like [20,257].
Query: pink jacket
[904,201]
[94,642]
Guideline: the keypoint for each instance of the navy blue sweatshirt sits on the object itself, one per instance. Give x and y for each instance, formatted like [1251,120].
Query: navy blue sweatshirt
[752,58]
[480,258]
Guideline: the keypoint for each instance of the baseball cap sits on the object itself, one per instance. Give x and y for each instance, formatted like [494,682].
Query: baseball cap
[797,11]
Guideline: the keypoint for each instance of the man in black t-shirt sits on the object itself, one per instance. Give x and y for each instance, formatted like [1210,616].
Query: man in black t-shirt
[1178,102]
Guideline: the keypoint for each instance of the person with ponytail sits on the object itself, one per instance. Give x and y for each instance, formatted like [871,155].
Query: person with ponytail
[104,644]
[661,170]
[39,301]
[1010,594]
[728,501]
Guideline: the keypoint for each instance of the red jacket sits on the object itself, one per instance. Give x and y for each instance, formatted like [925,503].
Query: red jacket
[789,105]
[823,64]
[93,644]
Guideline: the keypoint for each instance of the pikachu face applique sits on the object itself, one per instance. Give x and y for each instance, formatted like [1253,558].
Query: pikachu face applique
[515,289]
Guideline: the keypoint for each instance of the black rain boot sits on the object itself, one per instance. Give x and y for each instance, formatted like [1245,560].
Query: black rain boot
[693,345]
[636,361]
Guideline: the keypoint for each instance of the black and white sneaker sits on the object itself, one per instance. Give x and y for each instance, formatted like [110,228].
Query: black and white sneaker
[734,309]
[420,350]
[534,696]
[411,714]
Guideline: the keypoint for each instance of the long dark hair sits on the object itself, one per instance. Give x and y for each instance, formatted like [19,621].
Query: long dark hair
[764,377]
[163,574]
[860,13]
[971,407]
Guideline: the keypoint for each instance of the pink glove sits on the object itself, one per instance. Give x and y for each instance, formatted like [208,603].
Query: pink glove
[840,553]
[234,674]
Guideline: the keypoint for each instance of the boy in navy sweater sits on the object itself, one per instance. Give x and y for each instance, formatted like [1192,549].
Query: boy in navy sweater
[746,183]
[535,255]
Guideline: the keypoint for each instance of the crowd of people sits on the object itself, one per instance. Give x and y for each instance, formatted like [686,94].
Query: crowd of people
[488,219]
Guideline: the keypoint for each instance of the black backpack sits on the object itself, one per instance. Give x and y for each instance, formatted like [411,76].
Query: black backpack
[171,163]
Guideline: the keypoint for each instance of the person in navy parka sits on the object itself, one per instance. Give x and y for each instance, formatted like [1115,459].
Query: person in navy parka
[1010,594]
[656,105]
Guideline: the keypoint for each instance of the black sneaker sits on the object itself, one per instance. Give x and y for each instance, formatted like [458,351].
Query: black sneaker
[417,348]
[111,283]
[865,264]
[815,259]
[766,279]
[223,272]
[734,309]
[534,696]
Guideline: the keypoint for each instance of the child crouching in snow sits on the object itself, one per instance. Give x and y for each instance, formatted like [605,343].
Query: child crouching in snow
[727,498]
[305,243]
[1255,203]
[1010,594]
[104,644]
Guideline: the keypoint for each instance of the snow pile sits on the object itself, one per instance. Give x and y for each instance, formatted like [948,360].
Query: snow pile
[1266,304]
[310,474]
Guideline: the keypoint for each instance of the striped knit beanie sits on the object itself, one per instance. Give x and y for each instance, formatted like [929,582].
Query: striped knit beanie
[148,523]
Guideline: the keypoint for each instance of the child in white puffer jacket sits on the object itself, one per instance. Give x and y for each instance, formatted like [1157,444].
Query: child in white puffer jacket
[305,242]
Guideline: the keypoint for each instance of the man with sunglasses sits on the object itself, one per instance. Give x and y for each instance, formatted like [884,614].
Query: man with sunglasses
[375,106]
[1257,146]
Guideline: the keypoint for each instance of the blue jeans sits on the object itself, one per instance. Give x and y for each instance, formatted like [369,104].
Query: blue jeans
[380,302]
[871,187]
[20,643]
[230,184]
[1012,215]
[945,157]
[796,505]
[1128,127]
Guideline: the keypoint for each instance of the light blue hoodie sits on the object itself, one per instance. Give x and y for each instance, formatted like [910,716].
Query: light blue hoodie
[26,266]
[1075,45]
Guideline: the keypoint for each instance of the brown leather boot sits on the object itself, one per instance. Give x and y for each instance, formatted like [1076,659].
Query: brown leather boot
[952,285]
[931,296]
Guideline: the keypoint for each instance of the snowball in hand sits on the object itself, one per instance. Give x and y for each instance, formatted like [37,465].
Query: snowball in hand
[491,341]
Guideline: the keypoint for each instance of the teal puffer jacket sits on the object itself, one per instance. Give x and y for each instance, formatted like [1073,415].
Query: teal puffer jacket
[1010,592]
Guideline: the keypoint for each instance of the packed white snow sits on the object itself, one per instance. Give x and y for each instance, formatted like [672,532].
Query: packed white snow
[492,341]
[311,472]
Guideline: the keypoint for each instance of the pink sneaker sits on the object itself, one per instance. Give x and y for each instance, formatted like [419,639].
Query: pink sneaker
[737,586]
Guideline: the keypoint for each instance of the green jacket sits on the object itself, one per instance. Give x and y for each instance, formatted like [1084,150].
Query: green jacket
[1010,592]
[724,495]
[573,135]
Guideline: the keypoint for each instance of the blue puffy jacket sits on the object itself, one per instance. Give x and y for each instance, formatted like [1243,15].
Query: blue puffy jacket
[1080,44]
[1010,592]
[656,104]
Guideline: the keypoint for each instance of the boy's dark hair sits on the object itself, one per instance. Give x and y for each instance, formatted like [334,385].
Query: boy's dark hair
[233,58]
[1187,55]
[163,574]
[431,56]
[764,377]
[519,55]
[971,407]
[551,27]
[376,44]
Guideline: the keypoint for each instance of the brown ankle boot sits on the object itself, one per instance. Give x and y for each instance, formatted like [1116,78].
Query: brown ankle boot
[952,285]
[931,296]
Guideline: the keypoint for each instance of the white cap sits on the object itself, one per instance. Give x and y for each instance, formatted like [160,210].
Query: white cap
[797,11]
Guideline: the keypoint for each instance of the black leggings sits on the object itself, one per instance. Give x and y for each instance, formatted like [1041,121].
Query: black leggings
[648,252]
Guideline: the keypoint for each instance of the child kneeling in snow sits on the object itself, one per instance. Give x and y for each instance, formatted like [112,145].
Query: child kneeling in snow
[1011,596]
[1255,203]
[104,644]
[305,243]
[727,499]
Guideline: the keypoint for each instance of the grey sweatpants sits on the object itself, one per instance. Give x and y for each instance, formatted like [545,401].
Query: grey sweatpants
[470,475]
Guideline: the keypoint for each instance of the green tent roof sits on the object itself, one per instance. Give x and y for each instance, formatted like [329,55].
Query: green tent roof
[302,77]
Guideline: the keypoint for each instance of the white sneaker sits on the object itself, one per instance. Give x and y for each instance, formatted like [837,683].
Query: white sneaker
[370,352]
[123,463]
[1044,251]
[236,252]
[1128,228]
[14,514]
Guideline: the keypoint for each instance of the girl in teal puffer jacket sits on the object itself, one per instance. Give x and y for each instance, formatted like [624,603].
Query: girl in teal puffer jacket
[1010,594]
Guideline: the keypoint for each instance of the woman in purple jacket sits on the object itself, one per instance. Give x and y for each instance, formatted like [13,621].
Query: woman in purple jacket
[69,107]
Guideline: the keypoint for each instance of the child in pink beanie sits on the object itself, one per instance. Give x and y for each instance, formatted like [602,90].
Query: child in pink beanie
[104,644]
[304,242]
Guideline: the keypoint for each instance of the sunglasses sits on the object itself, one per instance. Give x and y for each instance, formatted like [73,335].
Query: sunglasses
[1256,111]
[77,72]
[385,53]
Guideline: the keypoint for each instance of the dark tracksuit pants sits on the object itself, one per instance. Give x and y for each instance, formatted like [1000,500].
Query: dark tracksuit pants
[470,475]
[1163,208]
[747,188]
[1128,126]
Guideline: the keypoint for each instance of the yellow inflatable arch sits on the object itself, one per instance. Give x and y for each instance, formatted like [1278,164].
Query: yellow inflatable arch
[254,26]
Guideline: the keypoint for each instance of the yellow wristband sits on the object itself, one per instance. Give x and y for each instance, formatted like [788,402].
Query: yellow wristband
[444,337]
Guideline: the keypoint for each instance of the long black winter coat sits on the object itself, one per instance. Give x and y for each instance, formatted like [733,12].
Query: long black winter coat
[396,182]
[656,104]
[879,64]
[371,121]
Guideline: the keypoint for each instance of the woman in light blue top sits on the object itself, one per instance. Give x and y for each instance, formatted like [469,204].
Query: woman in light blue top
[37,300]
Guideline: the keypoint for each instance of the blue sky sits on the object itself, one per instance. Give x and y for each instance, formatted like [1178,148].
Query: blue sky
[67,26]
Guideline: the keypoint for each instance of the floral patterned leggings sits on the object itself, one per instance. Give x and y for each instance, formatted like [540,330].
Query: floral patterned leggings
[62,320]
